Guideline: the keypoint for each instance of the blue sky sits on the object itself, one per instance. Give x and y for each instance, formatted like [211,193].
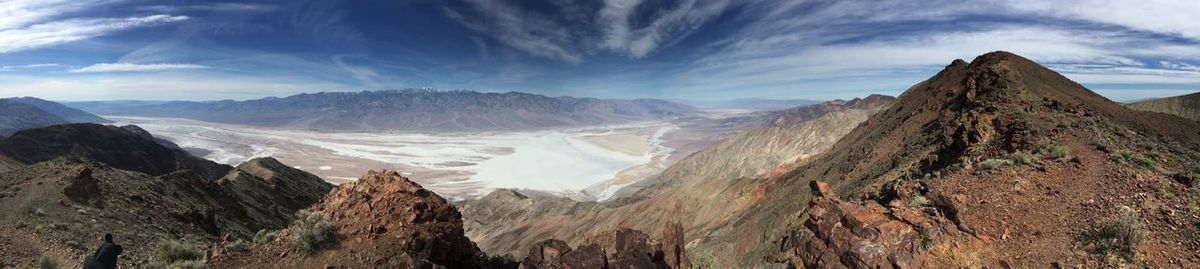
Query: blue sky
[700,50]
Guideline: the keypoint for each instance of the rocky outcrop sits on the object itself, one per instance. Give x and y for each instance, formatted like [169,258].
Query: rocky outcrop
[82,187]
[383,220]
[630,249]
[841,234]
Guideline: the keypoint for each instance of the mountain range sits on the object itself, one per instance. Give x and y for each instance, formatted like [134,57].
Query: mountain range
[21,113]
[406,110]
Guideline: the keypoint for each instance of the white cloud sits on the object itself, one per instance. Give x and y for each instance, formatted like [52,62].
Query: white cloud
[31,24]
[666,27]
[132,67]
[213,7]
[58,32]
[27,66]
[521,29]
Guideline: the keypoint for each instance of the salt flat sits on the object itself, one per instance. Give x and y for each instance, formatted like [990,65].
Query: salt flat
[457,165]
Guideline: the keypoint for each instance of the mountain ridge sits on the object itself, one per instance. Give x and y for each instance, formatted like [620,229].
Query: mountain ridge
[409,110]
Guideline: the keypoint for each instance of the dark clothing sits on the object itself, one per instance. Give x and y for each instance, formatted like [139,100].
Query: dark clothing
[105,257]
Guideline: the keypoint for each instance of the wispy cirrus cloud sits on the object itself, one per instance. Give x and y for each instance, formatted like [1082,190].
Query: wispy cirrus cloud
[26,24]
[671,23]
[132,67]
[212,7]
[27,66]
[526,30]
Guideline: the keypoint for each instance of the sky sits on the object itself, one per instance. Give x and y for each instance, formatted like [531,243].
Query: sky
[701,50]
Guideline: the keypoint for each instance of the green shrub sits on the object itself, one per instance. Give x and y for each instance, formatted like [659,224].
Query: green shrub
[38,211]
[236,245]
[919,201]
[1121,235]
[1132,158]
[265,236]
[172,251]
[191,264]
[702,259]
[994,163]
[923,239]
[310,232]
[1057,152]
[46,262]
[1022,157]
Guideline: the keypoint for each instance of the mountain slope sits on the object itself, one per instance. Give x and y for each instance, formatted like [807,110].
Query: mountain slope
[1187,106]
[410,110]
[1021,163]
[15,116]
[60,207]
[700,191]
[123,148]
[68,114]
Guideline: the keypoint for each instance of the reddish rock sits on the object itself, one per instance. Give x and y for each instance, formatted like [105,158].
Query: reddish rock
[841,234]
[632,249]
[673,247]
[384,215]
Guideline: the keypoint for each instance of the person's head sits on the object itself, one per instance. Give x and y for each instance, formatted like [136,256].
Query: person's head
[108,237]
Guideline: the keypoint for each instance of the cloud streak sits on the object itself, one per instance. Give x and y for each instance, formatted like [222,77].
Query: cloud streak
[132,67]
[59,32]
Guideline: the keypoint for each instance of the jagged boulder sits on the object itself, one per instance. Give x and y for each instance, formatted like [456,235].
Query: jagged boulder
[81,187]
[631,249]
[841,234]
[392,214]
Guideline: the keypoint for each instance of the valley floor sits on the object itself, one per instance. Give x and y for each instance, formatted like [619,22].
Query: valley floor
[459,165]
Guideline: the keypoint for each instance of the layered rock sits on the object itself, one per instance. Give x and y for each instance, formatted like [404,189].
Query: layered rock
[629,249]
[843,234]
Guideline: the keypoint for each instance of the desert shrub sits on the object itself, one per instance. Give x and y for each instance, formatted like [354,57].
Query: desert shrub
[46,262]
[155,265]
[1132,158]
[310,232]
[1121,235]
[189,264]
[919,201]
[265,236]
[20,224]
[57,226]
[37,211]
[1022,157]
[236,245]
[1057,152]
[172,251]
[923,239]
[994,163]
[702,259]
